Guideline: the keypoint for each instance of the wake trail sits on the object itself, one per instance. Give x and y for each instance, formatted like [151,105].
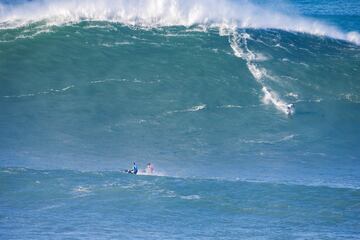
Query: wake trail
[239,45]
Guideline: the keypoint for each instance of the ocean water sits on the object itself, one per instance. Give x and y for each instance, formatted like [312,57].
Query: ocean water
[200,89]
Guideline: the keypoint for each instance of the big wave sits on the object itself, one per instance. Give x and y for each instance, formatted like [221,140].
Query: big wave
[154,13]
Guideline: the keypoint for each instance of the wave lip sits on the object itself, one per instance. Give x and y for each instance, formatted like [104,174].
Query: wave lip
[153,13]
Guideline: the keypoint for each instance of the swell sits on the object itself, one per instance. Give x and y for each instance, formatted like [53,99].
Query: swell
[146,13]
[158,94]
[280,97]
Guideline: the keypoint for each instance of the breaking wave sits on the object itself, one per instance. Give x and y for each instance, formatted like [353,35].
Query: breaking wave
[146,13]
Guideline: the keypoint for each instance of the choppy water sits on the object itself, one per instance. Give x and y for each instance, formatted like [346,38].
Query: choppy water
[107,205]
[200,89]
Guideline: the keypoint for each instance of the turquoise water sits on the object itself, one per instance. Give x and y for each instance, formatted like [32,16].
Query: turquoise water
[201,90]
[60,204]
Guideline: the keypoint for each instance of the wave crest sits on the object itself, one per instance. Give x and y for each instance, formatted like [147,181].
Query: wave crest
[153,13]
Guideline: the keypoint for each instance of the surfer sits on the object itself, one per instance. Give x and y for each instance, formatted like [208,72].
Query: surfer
[134,169]
[149,168]
[289,109]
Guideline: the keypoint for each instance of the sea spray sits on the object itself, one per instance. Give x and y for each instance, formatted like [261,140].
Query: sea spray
[153,13]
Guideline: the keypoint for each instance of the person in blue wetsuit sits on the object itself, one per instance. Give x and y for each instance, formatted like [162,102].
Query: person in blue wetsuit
[134,169]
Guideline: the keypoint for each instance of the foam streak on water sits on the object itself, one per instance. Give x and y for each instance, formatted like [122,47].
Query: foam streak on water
[238,43]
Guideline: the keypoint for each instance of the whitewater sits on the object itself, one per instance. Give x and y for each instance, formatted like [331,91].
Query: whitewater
[248,110]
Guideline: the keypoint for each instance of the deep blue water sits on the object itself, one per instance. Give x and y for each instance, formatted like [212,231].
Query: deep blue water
[201,90]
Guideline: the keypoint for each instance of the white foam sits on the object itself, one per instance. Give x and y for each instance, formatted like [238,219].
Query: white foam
[192,109]
[196,108]
[230,106]
[155,173]
[81,189]
[350,97]
[153,13]
[272,97]
[264,141]
[98,26]
[32,35]
[109,80]
[190,197]
[115,44]
[49,91]
[293,95]
[238,43]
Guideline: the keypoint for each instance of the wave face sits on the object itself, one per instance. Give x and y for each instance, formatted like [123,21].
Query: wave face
[98,95]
